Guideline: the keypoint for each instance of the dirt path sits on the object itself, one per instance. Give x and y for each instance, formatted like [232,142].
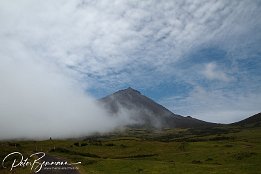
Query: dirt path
[59,169]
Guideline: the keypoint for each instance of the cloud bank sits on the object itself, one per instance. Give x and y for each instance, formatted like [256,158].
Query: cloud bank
[105,40]
[38,101]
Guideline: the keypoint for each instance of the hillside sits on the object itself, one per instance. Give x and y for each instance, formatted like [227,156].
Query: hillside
[254,120]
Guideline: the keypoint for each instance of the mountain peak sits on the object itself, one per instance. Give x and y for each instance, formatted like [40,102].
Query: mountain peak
[146,112]
[129,90]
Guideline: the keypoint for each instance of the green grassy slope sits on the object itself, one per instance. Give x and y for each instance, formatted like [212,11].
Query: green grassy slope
[209,150]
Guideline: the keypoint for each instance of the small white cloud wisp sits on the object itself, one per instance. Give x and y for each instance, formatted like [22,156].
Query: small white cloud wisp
[212,72]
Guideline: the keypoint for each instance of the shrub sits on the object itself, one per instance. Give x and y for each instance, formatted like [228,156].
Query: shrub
[110,144]
[84,144]
[243,155]
[77,144]
[196,162]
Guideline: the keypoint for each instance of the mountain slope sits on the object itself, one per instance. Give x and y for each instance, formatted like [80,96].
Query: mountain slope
[254,120]
[146,112]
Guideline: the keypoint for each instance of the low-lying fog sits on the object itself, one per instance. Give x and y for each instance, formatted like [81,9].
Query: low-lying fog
[39,100]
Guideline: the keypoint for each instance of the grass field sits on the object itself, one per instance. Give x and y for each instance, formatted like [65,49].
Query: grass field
[207,150]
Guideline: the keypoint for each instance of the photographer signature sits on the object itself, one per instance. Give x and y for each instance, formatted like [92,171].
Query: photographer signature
[34,161]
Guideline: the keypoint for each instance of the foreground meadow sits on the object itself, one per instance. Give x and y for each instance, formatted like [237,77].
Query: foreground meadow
[219,150]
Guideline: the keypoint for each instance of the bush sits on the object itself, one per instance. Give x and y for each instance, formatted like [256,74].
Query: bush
[123,146]
[14,144]
[84,144]
[110,144]
[67,151]
[243,155]
[196,162]
[77,144]
[209,159]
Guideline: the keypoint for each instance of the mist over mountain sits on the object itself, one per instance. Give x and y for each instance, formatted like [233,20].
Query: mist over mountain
[144,112]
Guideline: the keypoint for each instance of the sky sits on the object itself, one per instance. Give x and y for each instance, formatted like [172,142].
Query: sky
[195,57]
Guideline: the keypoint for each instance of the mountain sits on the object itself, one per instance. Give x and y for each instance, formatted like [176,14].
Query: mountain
[145,112]
[254,120]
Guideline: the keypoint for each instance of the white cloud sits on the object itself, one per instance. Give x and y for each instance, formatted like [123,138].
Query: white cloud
[212,72]
[215,105]
[101,38]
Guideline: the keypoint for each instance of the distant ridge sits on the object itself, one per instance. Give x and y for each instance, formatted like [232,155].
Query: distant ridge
[147,112]
[254,120]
